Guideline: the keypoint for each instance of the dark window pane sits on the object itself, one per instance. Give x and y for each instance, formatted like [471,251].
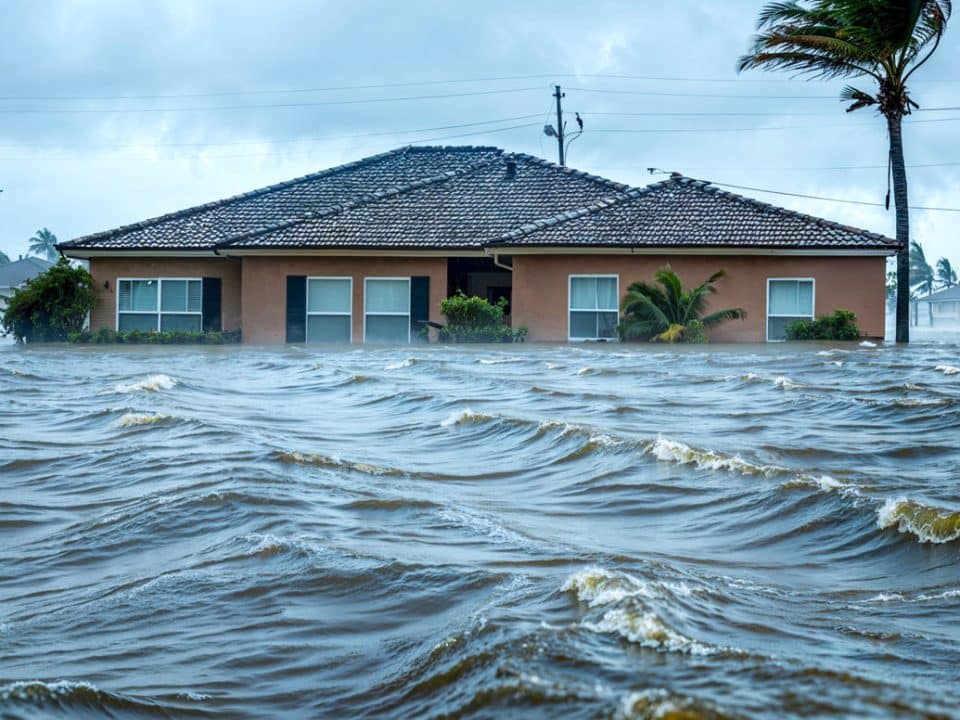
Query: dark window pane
[388,329]
[583,325]
[328,328]
[187,323]
[130,321]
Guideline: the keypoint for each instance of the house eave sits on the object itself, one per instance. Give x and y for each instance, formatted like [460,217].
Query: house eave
[675,250]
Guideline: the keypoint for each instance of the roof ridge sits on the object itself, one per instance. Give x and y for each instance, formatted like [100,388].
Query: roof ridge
[360,201]
[267,189]
[594,207]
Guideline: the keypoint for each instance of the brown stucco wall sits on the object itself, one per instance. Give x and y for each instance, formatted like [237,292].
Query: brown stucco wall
[109,269]
[265,287]
[852,283]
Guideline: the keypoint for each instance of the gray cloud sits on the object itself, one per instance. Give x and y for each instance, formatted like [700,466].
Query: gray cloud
[78,172]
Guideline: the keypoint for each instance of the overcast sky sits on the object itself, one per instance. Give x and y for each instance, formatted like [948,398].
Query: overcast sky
[114,111]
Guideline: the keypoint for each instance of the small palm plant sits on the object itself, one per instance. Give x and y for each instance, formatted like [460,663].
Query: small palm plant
[668,314]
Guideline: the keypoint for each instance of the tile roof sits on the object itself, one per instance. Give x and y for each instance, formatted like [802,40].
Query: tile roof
[461,209]
[203,226]
[470,197]
[14,274]
[684,212]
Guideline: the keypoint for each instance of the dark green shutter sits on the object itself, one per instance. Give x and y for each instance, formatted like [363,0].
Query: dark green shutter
[212,304]
[296,308]
[419,307]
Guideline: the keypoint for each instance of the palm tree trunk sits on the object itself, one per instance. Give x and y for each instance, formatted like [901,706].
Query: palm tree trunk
[894,123]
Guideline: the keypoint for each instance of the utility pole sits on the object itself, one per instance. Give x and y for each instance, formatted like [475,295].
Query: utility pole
[559,96]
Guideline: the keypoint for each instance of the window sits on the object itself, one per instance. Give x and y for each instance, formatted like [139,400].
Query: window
[788,300]
[329,309]
[593,307]
[164,304]
[387,310]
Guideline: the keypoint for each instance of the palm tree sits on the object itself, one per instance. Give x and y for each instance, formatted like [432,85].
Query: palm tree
[885,41]
[43,243]
[670,314]
[921,274]
[945,273]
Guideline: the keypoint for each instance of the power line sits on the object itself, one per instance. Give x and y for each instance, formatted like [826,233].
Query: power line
[364,101]
[704,95]
[826,199]
[271,141]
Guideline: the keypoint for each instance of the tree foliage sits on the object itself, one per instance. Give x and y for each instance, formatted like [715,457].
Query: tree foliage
[44,244]
[668,313]
[921,274]
[945,273]
[52,305]
[882,41]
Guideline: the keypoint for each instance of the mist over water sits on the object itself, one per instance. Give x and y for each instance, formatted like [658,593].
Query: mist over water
[425,531]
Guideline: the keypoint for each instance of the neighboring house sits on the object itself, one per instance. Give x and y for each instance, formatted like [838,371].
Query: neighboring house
[16,273]
[365,252]
[941,309]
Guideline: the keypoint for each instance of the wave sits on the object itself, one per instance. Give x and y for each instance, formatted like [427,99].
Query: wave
[627,611]
[136,419]
[868,344]
[680,453]
[151,383]
[927,524]
[661,704]
[499,361]
[948,369]
[785,383]
[883,598]
[333,463]
[400,364]
[464,417]
[823,483]
[76,696]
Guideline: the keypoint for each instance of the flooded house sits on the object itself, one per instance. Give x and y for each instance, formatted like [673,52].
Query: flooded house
[937,310]
[15,274]
[366,252]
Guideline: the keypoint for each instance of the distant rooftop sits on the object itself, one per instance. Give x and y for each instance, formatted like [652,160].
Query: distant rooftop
[945,295]
[16,273]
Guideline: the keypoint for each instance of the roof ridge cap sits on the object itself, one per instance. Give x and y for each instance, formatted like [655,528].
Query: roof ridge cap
[596,206]
[360,201]
[267,189]
[619,186]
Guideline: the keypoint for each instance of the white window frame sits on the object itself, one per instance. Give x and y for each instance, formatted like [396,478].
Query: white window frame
[385,314]
[348,314]
[570,279]
[813,303]
[158,312]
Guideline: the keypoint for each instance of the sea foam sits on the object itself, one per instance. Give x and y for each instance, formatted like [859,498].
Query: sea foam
[464,417]
[151,383]
[927,524]
[948,369]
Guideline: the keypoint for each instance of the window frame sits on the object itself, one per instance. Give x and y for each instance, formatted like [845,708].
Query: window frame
[407,314]
[570,310]
[348,314]
[158,313]
[813,304]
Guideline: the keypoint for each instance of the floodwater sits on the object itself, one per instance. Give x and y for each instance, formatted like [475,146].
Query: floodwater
[593,532]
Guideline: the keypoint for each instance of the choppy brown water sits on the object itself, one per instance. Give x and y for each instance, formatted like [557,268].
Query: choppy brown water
[446,532]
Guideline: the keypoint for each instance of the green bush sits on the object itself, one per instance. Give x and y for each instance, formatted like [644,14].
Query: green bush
[476,320]
[106,336]
[51,306]
[842,325]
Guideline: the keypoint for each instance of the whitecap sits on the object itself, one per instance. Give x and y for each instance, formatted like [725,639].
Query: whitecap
[786,383]
[826,353]
[927,524]
[401,364]
[464,416]
[499,361]
[597,586]
[948,369]
[585,371]
[482,525]
[647,629]
[868,344]
[152,383]
[680,453]
[135,419]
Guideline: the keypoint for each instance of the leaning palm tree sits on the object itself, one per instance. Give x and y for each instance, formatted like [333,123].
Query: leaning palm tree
[885,41]
[43,244]
[921,274]
[667,313]
[945,273]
